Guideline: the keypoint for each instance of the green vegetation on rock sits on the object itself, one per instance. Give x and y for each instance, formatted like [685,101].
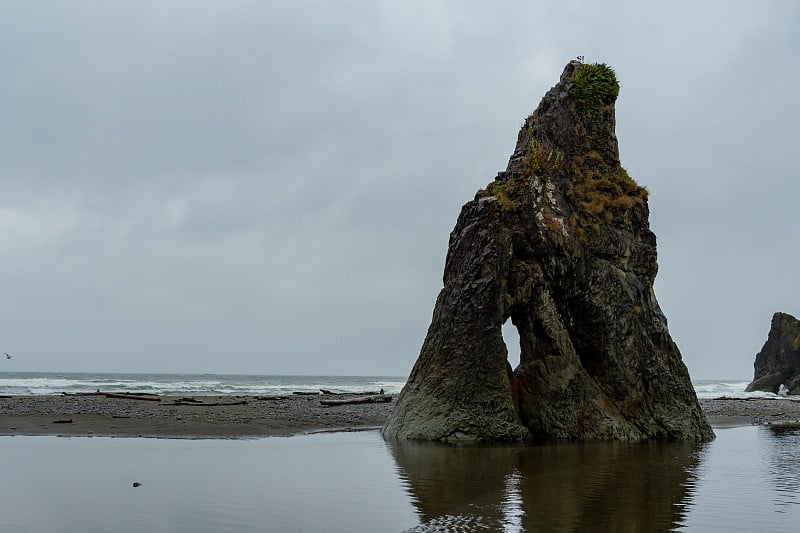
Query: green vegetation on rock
[540,158]
[597,187]
[595,86]
[503,191]
[597,190]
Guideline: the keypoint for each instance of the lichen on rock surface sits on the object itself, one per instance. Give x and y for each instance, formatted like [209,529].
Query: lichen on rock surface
[559,243]
[778,362]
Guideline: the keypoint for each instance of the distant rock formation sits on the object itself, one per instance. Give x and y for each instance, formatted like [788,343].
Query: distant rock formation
[560,244]
[778,362]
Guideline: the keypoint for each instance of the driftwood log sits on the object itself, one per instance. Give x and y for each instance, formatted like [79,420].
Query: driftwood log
[364,393]
[145,396]
[378,398]
[198,403]
[270,398]
[131,396]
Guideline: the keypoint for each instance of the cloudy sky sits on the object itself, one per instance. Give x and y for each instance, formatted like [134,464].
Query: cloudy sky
[268,186]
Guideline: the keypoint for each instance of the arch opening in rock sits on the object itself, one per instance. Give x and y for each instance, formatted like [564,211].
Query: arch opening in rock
[512,341]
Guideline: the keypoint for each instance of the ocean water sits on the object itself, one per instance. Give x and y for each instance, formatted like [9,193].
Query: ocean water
[729,388]
[747,480]
[33,383]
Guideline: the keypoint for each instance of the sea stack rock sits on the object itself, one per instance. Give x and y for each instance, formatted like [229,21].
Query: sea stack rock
[560,244]
[778,362]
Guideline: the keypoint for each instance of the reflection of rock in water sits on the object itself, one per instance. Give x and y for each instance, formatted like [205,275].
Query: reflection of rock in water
[784,468]
[597,486]
[456,485]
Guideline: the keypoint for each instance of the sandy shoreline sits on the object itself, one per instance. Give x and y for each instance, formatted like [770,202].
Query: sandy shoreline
[257,417]
[113,417]
[737,412]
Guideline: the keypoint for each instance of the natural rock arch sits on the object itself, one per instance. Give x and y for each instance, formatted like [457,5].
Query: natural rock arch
[560,245]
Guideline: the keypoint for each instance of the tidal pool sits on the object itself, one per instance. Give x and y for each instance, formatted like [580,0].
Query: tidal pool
[748,479]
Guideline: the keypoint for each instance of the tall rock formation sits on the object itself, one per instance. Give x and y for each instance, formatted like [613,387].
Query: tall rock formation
[560,244]
[778,362]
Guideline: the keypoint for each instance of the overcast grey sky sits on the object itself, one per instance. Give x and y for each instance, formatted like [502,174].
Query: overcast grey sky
[268,187]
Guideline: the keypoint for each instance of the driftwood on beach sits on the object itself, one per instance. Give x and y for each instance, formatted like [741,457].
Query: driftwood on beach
[328,392]
[101,416]
[378,398]
[270,398]
[144,396]
[729,398]
[199,403]
[130,396]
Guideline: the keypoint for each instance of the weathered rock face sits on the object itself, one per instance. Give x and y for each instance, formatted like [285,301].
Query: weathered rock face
[778,362]
[559,244]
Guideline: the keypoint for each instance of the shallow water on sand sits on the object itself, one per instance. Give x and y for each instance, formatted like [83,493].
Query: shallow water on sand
[746,480]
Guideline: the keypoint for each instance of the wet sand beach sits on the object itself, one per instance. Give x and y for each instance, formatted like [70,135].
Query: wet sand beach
[232,417]
[252,416]
[725,412]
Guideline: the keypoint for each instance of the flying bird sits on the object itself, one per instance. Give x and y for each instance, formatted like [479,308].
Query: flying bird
[7,356]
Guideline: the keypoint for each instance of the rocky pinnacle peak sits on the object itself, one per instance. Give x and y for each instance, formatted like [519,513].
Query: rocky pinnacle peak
[576,116]
[565,167]
[560,244]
